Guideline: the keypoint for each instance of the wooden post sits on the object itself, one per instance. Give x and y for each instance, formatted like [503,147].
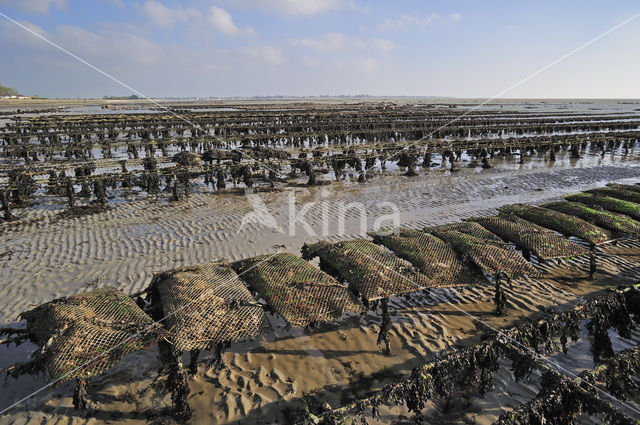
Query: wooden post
[500,298]
[217,363]
[80,394]
[176,379]
[385,326]
[193,363]
[592,262]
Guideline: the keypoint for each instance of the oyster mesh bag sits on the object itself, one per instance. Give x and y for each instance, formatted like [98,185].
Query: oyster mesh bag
[429,254]
[297,290]
[617,192]
[84,335]
[544,243]
[470,228]
[560,222]
[627,208]
[205,305]
[491,258]
[372,270]
[617,223]
[631,187]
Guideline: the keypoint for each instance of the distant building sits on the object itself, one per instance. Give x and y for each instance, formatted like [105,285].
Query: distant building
[15,97]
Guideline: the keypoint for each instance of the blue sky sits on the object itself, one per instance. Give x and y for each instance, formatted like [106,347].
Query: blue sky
[207,48]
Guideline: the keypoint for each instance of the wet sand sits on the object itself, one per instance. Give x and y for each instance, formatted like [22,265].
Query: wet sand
[42,259]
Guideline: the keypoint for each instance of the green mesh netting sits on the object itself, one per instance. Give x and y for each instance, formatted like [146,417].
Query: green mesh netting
[627,208]
[84,335]
[299,292]
[372,270]
[544,243]
[432,256]
[472,229]
[489,257]
[617,223]
[560,222]
[616,192]
[205,305]
[631,187]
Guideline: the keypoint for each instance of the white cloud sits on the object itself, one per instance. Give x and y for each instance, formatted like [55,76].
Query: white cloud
[455,17]
[298,7]
[37,6]
[205,65]
[354,65]
[217,18]
[140,62]
[365,64]
[329,41]
[407,20]
[383,46]
[120,4]
[273,55]
[267,54]
[110,45]
[308,62]
[334,41]
[10,33]
[223,22]
[164,16]
[33,28]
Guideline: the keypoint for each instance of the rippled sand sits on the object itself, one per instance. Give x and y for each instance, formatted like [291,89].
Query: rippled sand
[42,258]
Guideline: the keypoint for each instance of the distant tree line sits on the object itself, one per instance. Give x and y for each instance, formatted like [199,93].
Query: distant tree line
[8,91]
[132,97]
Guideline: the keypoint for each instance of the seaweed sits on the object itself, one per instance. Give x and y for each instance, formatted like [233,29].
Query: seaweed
[560,399]
[385,327]
[6,208]
[176,379]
